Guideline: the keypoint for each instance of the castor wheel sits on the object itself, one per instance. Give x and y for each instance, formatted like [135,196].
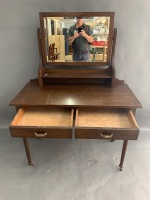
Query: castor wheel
[120,167]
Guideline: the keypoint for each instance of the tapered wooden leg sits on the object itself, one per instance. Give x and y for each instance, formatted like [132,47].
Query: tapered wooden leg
[26,145]
[125,143]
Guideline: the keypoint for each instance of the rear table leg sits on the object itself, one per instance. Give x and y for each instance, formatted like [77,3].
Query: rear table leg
[26,145]
[123,154]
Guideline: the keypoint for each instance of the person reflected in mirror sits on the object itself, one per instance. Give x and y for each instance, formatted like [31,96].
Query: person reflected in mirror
[80,36]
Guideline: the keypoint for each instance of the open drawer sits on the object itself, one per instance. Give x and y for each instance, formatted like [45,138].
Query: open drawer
[100,123]
[42,122]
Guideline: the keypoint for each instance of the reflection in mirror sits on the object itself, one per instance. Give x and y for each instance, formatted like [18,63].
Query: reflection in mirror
[58,30]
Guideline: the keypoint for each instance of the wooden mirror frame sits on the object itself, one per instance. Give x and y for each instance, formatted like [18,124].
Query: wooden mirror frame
[77,14]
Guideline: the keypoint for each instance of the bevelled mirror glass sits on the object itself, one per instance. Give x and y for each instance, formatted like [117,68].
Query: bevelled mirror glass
[76,37]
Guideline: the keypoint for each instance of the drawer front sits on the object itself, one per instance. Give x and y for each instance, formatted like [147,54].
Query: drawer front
[42,122]
[41,132]
[114,134]
[115,124]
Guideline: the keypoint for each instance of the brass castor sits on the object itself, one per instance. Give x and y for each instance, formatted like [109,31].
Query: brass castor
[31,163]
[121,167]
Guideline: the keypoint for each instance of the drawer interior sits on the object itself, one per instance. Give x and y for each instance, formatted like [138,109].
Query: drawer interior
[108,118]
[43,116]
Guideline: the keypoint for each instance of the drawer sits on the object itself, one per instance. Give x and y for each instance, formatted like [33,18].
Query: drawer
[100,123]
[43,122]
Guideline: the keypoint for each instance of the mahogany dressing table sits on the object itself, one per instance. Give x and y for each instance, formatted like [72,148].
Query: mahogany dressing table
[74,99]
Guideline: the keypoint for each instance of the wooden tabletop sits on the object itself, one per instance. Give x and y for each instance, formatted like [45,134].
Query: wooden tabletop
[76,95]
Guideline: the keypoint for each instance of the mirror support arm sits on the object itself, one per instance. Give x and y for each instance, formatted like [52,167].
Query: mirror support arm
[112,57]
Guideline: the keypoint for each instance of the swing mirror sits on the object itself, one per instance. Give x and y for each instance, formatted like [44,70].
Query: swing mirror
[56,29]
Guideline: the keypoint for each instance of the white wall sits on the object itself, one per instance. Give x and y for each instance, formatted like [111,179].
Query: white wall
[19,20]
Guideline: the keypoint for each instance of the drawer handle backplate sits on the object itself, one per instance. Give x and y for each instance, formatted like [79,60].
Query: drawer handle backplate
[106,136]
[40,134]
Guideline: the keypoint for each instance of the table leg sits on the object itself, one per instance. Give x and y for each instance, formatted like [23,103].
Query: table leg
[26,145]
[123,154]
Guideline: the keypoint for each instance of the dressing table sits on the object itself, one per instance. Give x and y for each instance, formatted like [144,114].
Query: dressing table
[81,100]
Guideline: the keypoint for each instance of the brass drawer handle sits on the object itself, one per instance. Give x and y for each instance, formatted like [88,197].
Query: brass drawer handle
[40,134]
[107,136]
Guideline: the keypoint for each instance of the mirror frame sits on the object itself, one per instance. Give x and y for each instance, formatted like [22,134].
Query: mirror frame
[77,14]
